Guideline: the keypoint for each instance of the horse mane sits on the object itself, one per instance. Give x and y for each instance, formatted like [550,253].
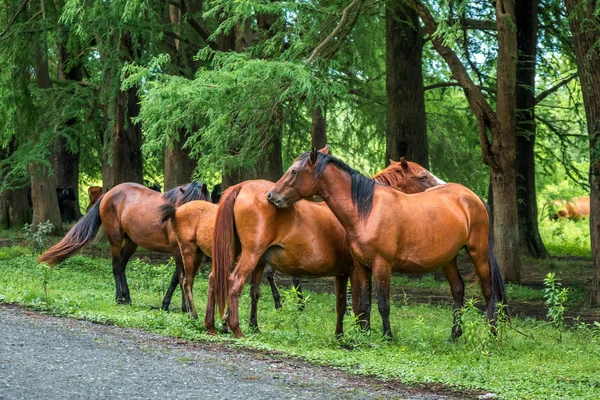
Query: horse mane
[389,176]
[362,187]
[185,193]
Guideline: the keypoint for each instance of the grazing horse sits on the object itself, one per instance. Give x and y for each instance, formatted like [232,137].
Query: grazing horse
[94,193]
[577,208]
[390,230]
[304,240]
[129,213]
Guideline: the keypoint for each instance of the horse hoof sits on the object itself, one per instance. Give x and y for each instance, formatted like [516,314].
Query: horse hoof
[123,301]
[254,329]
[211,331]
[238,334]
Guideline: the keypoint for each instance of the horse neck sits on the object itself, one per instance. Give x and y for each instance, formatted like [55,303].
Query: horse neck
[335,188]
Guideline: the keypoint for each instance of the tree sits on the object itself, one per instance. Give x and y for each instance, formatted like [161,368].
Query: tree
[527,24]
[585,31]
[406,133]
[499,153]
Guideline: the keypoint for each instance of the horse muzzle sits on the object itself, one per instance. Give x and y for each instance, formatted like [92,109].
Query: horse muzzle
[277,200]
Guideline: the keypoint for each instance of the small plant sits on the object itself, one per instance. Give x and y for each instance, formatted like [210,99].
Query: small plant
[45,272]
[291,296]
[556,296]
[37,237]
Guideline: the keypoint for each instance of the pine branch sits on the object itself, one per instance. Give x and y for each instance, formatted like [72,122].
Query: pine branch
[343,24]
[456,84]
[14,17]
[540,97]
[485,115]
[202,31]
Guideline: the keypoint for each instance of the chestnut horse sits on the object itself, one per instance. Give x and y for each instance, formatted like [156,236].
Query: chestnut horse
[304,240]
[129,213]
[94,193]
[390,230]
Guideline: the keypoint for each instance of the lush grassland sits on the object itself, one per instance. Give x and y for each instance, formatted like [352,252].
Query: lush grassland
[566,237]
[512,365]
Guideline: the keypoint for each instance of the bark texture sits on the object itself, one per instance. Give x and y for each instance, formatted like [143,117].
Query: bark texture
[318,129]
[406,133]
[527,25]
[586,34]
[178,164]
[43,184]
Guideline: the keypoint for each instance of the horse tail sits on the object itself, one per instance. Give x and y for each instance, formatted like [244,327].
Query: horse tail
[81,234]
[224,246]
[496,281]
[167,212]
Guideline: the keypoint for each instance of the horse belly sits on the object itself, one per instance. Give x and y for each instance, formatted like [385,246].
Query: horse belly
[303,261]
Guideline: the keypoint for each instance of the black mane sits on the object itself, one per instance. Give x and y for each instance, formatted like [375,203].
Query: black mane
[362,187]
[185,193]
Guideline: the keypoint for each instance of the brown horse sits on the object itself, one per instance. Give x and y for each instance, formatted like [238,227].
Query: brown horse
[303,240]
[94,193]
[390,230]
[193,225]
[129,213]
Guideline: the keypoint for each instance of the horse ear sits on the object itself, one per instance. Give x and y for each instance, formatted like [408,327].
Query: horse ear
[313,156]
[325,150]
[204,189]
[404,164]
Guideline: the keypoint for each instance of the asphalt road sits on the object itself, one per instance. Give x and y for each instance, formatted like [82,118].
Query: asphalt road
[44,357]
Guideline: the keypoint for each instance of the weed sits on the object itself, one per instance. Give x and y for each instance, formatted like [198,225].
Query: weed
[556,296]
[37,236]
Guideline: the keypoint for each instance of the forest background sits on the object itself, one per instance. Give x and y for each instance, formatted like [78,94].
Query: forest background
[501,96]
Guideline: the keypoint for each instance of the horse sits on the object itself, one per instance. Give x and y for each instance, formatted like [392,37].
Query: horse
[304,240]
[575,209]
[129,213]
[390,230]
[94,193]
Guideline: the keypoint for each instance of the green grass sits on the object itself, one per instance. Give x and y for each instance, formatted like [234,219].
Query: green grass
[512,365]
[566,237]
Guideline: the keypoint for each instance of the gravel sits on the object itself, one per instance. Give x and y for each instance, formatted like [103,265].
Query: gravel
[45,357]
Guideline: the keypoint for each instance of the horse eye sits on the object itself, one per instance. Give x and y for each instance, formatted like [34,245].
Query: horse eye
[294,172]
[423,178]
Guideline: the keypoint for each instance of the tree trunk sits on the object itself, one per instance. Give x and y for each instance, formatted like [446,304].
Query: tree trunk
[586,34]
[127,148]
[318,129]
[14,205]
[14,208]
[506,228]
[43,184]
[406,134]
[65,162]
[527,22]
[178,164]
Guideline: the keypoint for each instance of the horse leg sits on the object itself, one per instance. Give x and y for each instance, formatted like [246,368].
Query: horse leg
[360,282]
[209,317]
[382,273]
[341,284]
[246,264]
[255,295]
[127,251]
[172,286]
[479,257]
[191,263]
[297,283]
[274,290]
[457,287]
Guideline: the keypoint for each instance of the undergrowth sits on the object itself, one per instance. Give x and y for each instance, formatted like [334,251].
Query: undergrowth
[530,363]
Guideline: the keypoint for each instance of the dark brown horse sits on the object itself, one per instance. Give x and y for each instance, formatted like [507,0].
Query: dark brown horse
[390,230]
[304,240]
[129,213]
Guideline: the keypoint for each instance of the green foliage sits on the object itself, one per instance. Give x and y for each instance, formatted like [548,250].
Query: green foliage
[556,296]
[38,235]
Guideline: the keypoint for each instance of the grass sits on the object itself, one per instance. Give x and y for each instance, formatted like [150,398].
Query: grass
[566,237]
[511,365]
